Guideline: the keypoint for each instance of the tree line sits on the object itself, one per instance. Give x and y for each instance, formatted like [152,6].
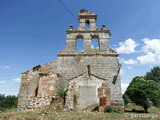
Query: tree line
[8,102]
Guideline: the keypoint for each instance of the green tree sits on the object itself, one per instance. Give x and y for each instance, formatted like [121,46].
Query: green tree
[8,102]
[139,97]
[126,99]
[154,74]
[141,92]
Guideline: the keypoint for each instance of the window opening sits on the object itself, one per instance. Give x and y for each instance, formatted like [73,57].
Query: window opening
[94,43]
[79,45]
[87,25]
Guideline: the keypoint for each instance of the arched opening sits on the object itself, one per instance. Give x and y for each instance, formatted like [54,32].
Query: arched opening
[79,44]
[95,44]
[87,25]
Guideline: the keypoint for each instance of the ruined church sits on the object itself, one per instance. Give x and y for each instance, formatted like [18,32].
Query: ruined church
[87,76]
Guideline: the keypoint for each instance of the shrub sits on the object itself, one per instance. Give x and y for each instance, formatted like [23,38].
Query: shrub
[108,109]
[62,93]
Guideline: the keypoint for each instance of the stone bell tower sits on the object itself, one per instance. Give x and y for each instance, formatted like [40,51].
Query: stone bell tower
[87,18]
[88,77]
[103,68]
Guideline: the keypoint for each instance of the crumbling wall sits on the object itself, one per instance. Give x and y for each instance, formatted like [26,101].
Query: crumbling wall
[36,82]
[47,84]
[83,91]
[103,62]
[37,102]
[29,84]
[105,98]
[104,66]
[52,76]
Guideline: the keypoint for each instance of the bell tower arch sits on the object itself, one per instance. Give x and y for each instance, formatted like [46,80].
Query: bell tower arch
[87,30]
[87,18]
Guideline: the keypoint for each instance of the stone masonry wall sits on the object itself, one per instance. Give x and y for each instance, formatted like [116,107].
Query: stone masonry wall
[102,61]
[103,66]
[37,81]
[82,87]
[38,102]
[66,68]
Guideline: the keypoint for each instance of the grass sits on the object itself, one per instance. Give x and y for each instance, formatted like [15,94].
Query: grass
[57,113]
[54,115]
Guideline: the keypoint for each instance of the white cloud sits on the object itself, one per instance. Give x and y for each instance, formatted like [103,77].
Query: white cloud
[148,58]
[124,87]
[127,46]
[151,45]
[151,50]
[17,79]
[1,82]
[122,72]
[151,66]
[130,61]
[129,68]
[5,67]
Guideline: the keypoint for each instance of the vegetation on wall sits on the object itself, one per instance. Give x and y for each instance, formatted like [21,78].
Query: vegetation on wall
[62,93]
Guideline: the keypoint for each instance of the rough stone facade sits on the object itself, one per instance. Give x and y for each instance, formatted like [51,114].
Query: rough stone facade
[81,74]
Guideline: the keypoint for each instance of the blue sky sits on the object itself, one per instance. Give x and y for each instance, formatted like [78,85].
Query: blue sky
[32,32]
